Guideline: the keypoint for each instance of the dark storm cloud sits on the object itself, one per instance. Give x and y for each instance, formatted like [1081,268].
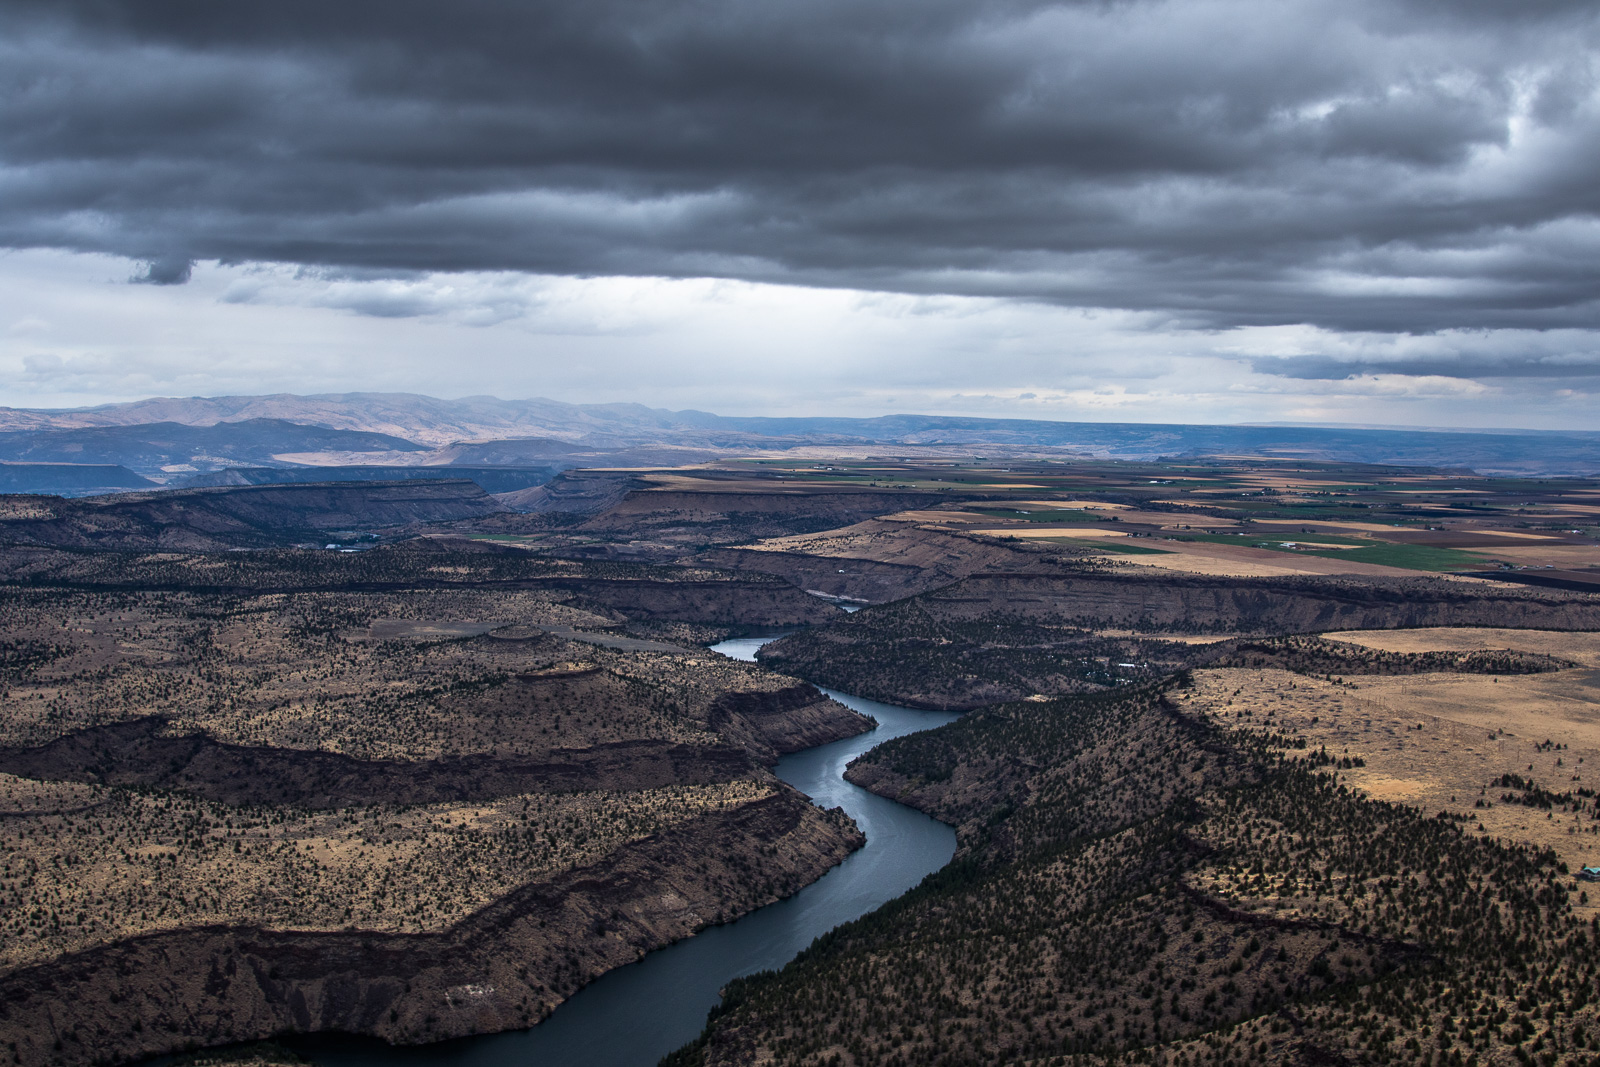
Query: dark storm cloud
[167,271]
[1357,164]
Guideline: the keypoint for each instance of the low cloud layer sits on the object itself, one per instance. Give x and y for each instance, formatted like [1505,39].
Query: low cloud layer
[1356,165]
[73,332]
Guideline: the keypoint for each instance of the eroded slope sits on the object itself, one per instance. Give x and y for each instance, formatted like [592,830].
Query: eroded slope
[233,807]
[1143,882]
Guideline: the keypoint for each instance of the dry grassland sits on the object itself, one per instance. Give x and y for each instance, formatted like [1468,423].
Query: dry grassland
[862,540]
[299,672]
[1042,532]
[1583,648]
[1176,639]
[82,865]
[1166,520]
[950,518]
[1076,505]
[1440,742]
[1220,566]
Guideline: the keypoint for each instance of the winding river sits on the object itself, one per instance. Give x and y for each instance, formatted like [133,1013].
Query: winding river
[634,1015]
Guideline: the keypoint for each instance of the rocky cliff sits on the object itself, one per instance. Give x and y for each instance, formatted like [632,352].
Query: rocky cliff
[505,967]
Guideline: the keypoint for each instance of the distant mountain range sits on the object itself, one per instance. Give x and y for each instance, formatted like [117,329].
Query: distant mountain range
[168,439]
[154,449]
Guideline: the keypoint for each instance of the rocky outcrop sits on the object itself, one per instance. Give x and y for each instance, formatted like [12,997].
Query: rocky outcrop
[882,560]
[774,723]
[505,967]
[577,492]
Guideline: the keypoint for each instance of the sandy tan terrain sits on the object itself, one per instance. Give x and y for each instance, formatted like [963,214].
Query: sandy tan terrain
[1583,648]
[951,518]
[1242,561]
[1439,741]
[1177,639]
[1038,531]
[1209,565]
[117,863]
[1074,504]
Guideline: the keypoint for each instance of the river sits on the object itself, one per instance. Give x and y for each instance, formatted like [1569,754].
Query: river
[634,1015]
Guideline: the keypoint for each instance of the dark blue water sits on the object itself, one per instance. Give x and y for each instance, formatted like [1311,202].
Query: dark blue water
[632,1016]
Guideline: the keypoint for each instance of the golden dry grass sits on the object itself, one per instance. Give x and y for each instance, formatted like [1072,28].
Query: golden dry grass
[1045,532]
[1580,647]
[1437,741]
[112,863]
[400,676]
[953,518]
[302,672]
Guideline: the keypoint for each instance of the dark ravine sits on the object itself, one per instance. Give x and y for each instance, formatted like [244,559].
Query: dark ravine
[144,752]
[535,946]
[753,601]
[138,753]
[505,967]
[636,1014]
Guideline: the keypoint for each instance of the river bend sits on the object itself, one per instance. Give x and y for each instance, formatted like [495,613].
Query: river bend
[634,1015]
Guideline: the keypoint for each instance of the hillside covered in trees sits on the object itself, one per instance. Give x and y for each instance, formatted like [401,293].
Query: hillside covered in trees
[1139,884]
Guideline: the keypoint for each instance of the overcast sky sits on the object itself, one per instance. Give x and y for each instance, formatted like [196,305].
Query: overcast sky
[1373,211]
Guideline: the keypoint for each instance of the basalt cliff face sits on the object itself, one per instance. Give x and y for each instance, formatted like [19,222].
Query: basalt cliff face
[775,723]
[505,967]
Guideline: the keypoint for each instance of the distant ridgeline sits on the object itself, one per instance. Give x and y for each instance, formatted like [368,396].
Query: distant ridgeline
[1510,452]
[248,430]
[492,479]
